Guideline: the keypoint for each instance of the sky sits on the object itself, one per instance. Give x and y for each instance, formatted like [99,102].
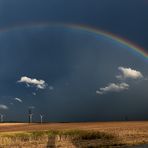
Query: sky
[70,73]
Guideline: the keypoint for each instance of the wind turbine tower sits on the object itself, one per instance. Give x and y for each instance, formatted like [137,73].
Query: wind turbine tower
[2,118]
[30,113]
[41,118]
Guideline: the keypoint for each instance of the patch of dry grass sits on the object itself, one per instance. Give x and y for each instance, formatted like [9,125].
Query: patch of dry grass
[52,138]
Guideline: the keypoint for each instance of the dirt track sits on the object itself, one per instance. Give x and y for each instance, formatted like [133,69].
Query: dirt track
[109,126]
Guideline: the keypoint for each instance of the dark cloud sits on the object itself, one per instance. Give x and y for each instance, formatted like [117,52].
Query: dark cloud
[127,18]
[74,63]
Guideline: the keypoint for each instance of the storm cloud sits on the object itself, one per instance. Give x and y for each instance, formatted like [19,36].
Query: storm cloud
[74,62]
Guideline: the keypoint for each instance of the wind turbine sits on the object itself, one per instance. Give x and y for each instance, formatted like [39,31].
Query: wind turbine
[30,114]
[41,118]
[2,118]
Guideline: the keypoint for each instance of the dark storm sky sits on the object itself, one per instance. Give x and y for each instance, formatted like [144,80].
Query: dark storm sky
[53,55]
[125,18]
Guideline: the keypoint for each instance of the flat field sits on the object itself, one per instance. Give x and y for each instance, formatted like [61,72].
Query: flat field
[93,134]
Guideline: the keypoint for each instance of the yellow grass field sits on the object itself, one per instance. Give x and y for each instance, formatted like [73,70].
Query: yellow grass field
[92,134]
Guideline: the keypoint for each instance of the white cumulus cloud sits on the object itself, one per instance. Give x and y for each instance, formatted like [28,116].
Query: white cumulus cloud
[19,100]
[40,84]
[113,87]
[126,73]
[4,107]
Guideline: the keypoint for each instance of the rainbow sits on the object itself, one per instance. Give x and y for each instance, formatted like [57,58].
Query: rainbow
[130,45]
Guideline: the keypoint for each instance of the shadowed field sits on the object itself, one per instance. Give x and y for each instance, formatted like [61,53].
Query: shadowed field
[95,134]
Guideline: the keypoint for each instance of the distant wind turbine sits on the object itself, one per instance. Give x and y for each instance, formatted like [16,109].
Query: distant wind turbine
[2,118]
[41,118]
[30,114]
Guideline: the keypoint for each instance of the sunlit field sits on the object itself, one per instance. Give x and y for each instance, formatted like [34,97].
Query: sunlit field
[98,134]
